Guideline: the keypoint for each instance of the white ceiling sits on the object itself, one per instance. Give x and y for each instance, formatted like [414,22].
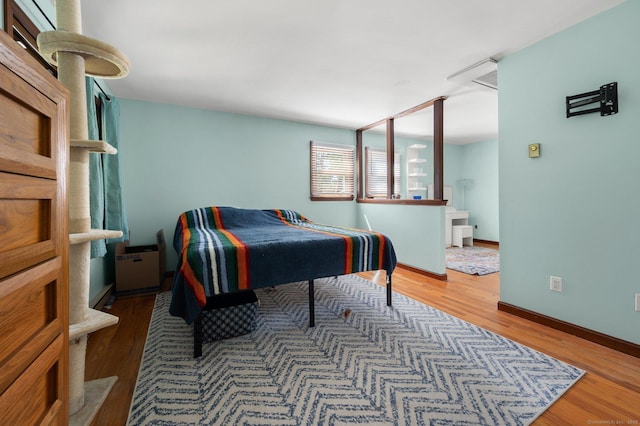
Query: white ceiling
[344,63]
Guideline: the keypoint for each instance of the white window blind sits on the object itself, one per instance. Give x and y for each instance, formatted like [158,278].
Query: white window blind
[332,171]
[376,173]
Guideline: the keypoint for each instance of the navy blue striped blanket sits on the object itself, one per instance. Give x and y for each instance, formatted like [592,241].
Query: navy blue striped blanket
[225,249]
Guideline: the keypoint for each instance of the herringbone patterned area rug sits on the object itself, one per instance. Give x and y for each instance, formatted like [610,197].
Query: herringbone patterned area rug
[405,365]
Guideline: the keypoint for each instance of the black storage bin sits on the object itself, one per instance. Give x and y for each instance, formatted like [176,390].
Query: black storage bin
[229,315]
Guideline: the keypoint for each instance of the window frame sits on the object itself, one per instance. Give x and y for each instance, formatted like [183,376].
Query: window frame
[314,173]
[24,32]
[438,155]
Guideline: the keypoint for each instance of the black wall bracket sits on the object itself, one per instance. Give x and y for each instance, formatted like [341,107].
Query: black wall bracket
[607,97]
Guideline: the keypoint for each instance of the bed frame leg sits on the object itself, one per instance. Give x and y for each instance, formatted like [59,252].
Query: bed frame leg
[389,292]
[312,308]
[197,337]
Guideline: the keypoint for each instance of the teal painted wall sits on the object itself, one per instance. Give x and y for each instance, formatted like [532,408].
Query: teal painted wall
[417,232]
[573,211]
[479,164]
[453,170]
[175,159]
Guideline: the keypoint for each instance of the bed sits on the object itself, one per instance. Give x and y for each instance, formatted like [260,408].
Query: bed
[226,249]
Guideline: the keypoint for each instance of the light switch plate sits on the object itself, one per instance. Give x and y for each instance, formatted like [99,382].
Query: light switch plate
[534,150]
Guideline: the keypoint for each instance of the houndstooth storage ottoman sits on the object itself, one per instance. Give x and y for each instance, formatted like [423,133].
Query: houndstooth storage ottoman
[229,315]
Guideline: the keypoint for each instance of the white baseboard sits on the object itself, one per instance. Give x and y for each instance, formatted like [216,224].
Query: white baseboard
[101,298]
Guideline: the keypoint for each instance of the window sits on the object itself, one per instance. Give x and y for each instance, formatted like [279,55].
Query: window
[18,25]
[332,172]
[438,157]
[376,173]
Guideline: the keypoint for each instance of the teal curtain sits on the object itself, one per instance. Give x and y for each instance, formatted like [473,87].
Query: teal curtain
[114,208]
[105,178]
[96,175]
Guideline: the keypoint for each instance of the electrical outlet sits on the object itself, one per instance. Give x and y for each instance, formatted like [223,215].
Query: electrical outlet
[637,302]
[555,283]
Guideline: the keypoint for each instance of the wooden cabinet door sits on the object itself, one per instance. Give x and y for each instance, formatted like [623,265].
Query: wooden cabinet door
[34,246]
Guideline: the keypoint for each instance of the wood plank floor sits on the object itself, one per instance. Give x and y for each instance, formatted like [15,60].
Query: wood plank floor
[608,394]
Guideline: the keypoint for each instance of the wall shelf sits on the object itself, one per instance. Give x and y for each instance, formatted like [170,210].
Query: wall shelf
[416,172]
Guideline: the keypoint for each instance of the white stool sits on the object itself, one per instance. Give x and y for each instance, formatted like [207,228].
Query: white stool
[462,235]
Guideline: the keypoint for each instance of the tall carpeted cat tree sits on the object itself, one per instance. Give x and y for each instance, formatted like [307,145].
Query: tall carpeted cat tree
[76,56]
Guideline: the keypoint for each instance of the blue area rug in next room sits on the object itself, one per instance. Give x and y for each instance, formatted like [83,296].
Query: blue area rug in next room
[473,260]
